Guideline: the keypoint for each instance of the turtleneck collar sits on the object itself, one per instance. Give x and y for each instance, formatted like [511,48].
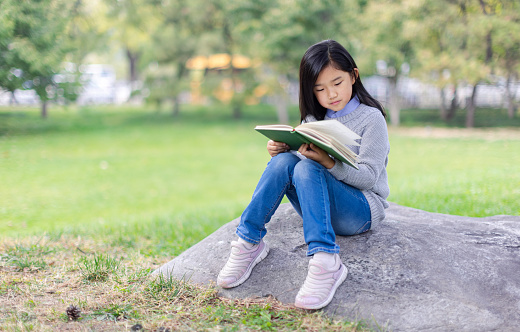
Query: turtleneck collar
[351,105]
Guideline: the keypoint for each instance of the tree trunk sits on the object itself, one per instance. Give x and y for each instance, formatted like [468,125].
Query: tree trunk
[12,100]
[44,109]
[237,111]
[236,102]
[511,107]
[132,61]
[470,111]
[176,106]
[393,102]
[453,105]
[181,69]
[282,109]
[443,109]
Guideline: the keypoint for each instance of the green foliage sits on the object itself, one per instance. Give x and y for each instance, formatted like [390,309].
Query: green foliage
[465,42]
[447,43]
[33,47]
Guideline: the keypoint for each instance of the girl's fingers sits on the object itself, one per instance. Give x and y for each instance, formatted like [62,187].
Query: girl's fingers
[278,145]
[275,148]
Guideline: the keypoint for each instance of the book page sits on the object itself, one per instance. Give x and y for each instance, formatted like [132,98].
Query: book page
[315,134]
[346,152]
[275,127]
[335,129]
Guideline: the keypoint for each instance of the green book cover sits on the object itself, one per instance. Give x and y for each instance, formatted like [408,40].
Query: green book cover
[295,139]
[292,138]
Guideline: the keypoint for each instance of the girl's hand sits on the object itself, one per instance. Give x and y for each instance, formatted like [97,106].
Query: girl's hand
[313,152]
[275,148]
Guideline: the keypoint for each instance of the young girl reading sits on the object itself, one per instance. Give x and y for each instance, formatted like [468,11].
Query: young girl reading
[331,197]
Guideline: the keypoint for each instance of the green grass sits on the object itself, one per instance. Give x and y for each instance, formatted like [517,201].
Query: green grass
[93,200]
[124,168]
[98,268]
[136,174]
[471,177]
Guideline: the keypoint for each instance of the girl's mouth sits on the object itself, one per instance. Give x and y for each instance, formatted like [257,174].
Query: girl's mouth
[335,102]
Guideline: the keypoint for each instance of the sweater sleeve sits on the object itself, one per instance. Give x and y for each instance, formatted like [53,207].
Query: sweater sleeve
[372,157]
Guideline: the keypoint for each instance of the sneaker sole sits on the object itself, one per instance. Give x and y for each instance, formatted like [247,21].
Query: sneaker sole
[331,295]
[253,263]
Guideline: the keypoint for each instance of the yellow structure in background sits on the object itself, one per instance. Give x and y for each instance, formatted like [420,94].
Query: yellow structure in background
[221,61]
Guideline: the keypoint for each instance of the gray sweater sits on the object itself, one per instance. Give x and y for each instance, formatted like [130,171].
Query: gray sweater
[371,178]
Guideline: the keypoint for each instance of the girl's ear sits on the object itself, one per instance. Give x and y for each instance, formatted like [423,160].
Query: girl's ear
[354,74]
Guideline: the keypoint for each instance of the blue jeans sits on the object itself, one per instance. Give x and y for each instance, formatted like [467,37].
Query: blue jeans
[327,206]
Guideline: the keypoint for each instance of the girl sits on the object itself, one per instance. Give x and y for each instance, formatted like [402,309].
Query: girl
[331,197]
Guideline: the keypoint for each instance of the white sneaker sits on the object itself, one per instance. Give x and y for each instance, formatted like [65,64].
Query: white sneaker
[321,284]
[240,263]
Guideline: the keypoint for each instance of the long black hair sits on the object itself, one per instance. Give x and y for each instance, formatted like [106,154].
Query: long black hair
[316,58]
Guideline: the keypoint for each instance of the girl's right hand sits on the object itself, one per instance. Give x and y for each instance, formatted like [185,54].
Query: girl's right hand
[275,148]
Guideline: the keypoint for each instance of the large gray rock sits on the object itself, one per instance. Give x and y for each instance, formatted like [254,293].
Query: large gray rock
[415,271]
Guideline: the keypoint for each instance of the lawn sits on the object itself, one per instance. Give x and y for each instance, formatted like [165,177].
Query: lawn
[140,186]
[122,168]
[90,168]
[462,176]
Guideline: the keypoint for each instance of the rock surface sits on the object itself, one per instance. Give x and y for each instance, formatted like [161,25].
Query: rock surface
[415,271]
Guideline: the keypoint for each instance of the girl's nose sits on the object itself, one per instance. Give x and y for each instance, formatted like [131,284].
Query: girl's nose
[332,94]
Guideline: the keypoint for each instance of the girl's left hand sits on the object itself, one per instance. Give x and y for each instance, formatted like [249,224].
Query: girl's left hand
[313,152]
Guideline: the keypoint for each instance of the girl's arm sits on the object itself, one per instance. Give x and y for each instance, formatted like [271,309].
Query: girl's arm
[372,156]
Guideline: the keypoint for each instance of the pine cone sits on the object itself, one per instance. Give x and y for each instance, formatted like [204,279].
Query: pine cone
[73,312]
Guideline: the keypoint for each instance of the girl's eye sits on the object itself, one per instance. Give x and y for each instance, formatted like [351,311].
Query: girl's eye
[318,90]
[338,83]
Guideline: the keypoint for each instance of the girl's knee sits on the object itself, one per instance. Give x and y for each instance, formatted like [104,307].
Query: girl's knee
[284,159]
[307,168]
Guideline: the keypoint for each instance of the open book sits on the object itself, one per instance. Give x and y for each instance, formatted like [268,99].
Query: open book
[329,135]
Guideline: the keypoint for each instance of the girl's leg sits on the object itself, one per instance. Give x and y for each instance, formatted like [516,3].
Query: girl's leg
[328,207]
[249,250]
[273,185]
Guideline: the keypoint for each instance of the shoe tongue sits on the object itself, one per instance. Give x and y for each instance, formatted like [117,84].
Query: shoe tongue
[249,245]
[325,259]
[246,244]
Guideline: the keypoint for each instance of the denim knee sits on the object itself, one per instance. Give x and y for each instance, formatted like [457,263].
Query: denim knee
[306,169]
[281,161]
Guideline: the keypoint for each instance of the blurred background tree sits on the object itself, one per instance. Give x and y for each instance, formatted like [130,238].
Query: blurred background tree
[179,37]
[438,59]
[387,45]
[504,20]
[133,23]
[245,51]
[283,30]
[34,46]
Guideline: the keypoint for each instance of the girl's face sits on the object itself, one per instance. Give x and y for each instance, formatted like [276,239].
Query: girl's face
[333,88]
